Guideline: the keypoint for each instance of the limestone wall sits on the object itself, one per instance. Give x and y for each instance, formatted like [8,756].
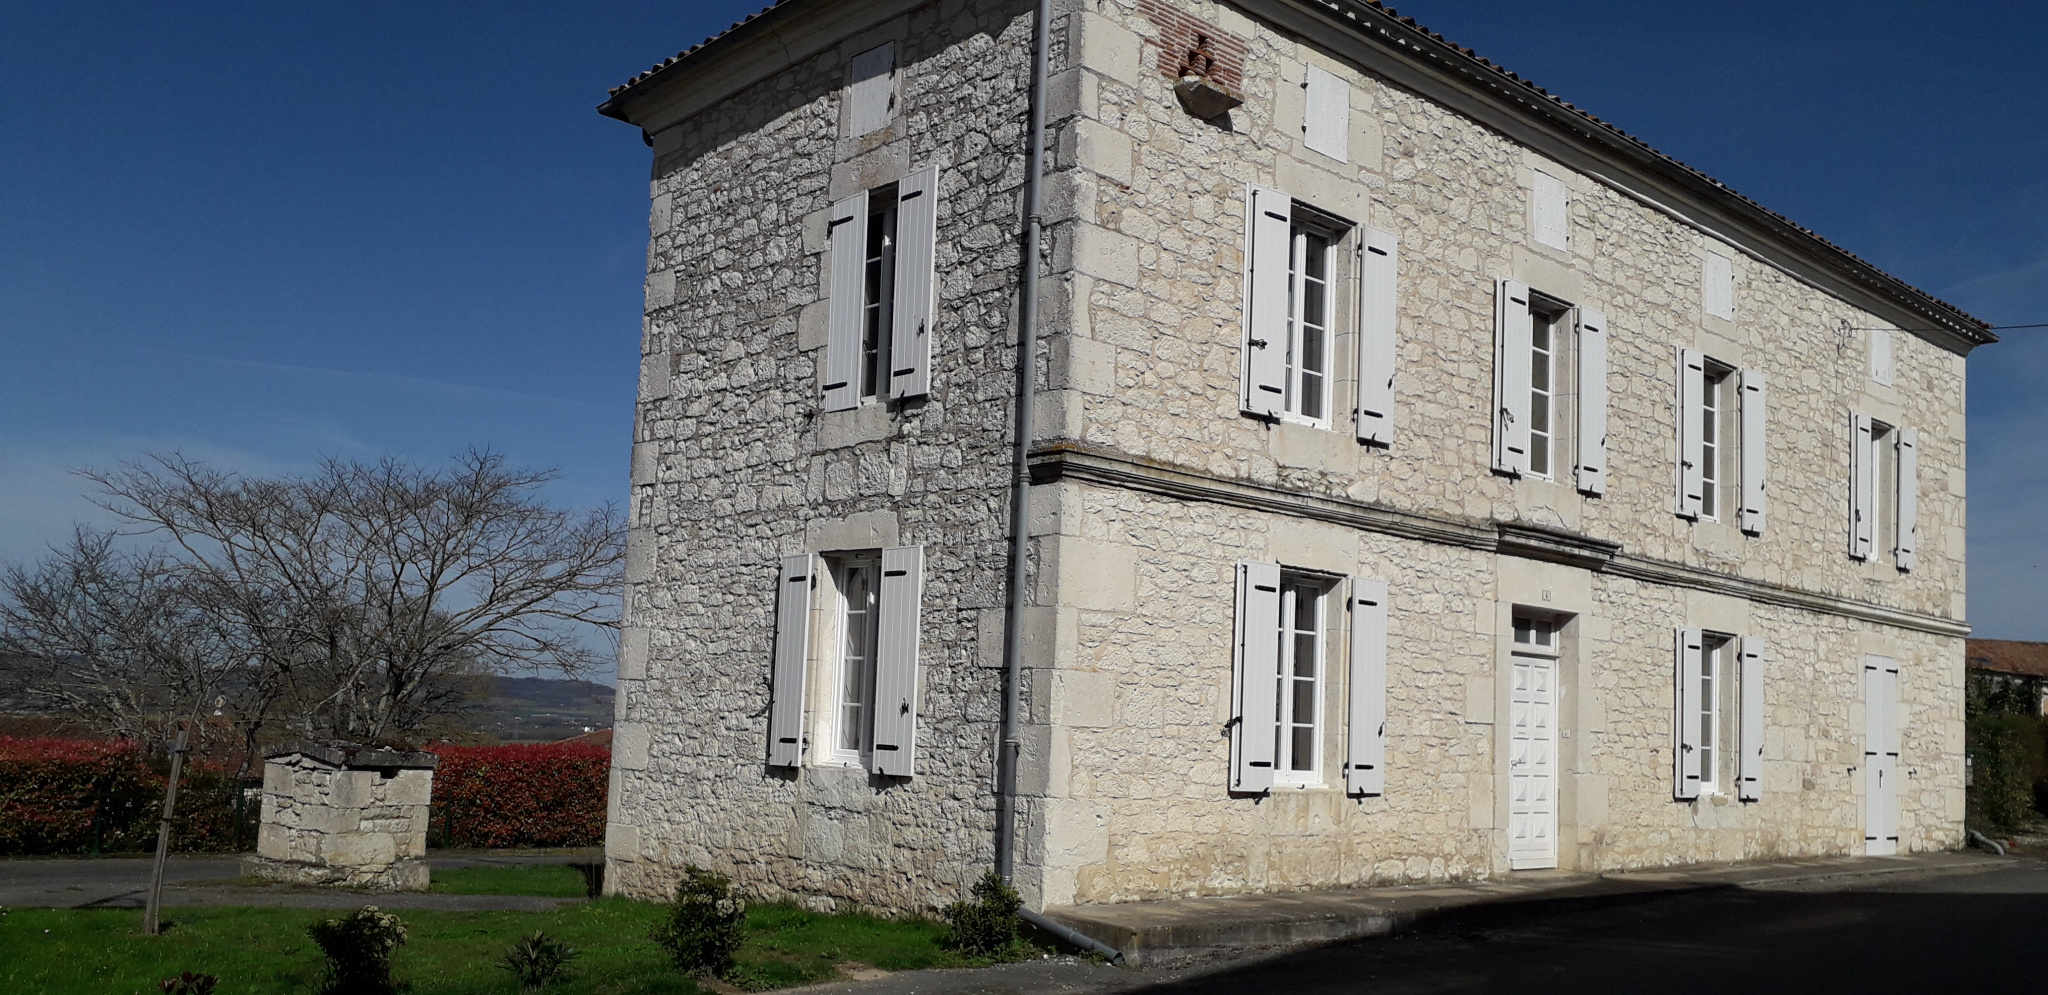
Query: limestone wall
[328,825]
[1136,618]
[735,466]
[1153,231]
[1131,710]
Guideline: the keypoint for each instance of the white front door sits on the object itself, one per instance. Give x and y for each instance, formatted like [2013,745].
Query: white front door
[1880,756]
[1532,764]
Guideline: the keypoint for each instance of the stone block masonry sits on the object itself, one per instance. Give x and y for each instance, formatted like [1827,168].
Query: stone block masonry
[343,814]
[1152,486]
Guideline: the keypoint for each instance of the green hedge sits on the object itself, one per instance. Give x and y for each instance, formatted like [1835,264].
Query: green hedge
[2009,756]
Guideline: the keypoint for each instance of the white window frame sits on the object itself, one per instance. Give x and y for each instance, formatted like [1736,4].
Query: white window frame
[1537,635]
[1293,586]
[1298,318]
[1557,318]
[1720,442]
[835,752]
[1717,653]
[1884,496]
[878,293]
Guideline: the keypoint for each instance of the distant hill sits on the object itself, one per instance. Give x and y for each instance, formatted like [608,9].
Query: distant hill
[540,709]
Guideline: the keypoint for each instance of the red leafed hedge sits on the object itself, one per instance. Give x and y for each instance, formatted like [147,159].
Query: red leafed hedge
[496,796]
[68,796]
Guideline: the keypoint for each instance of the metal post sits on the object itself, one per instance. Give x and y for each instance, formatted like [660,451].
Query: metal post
[163,834]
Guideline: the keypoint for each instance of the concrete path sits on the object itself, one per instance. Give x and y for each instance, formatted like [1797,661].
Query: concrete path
[123,883]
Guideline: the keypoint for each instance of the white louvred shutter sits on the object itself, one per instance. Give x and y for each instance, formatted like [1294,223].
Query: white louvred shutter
[792,652]
[1378,257]
[1553,200]
[871,93]
[1269,226]
[899,605]
[1511,377]
[1254,728]
[1718,286]
[1692,395]
[1750,779]
[917,233]
[1881,356]
[1754,408]
[1328,125]
[1592,402]
[1862,489]
[846,306]
[1909,498]
[1687,657]
[1365,770]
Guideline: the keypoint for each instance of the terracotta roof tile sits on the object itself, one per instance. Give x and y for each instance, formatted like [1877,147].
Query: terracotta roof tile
[2007,656]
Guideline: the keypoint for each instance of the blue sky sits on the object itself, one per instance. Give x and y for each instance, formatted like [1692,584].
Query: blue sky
[264,233]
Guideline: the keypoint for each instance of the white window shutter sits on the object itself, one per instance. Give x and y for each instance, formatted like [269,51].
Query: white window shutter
[1592,402]
[1553,200]
[1511,377]
[1750,779]
[1718,286]
[1365,765]
[1692,394]
[1254,728]
[1909,498]
[1378,256]
[1328,125]
[1269,226]
[917,233]
[1862,489]
[1686,659]
[844,310]
[792,656]
[871,90]
[1881,356]
[1754,408]
[900,603]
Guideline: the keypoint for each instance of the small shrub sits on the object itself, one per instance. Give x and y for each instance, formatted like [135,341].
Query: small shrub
[538,961]
[358,948]
[988,925]
[705,926]
[188,983]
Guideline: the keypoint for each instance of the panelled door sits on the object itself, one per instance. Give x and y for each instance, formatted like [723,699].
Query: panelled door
[1880,756]
[1532,763]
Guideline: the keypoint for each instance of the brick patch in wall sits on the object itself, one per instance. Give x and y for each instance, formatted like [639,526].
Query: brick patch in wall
[1189,45]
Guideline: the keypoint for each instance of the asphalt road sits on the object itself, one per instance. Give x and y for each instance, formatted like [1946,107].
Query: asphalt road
[1952,933]
[123,883]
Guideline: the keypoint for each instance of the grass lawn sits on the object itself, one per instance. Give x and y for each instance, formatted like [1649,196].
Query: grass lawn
[62,951]
[552,880]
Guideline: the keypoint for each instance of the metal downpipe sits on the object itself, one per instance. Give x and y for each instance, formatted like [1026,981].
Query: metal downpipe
[1010,747]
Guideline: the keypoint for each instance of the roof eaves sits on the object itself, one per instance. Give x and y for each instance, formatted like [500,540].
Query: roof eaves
[759,20]
[1970,328]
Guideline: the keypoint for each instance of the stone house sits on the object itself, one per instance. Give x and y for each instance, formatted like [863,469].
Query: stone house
[1430,481]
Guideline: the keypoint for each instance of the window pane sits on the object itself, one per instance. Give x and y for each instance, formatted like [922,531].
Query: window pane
[1539,414]
[1539,332]
[1314,299]
[1539,454]
[1305,654]
[1303,754]
[1318,256]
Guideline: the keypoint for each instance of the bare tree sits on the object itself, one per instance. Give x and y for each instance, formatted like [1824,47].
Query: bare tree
[111,638]
[365,594]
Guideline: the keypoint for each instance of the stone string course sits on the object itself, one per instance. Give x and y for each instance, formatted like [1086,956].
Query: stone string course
[1130,627]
